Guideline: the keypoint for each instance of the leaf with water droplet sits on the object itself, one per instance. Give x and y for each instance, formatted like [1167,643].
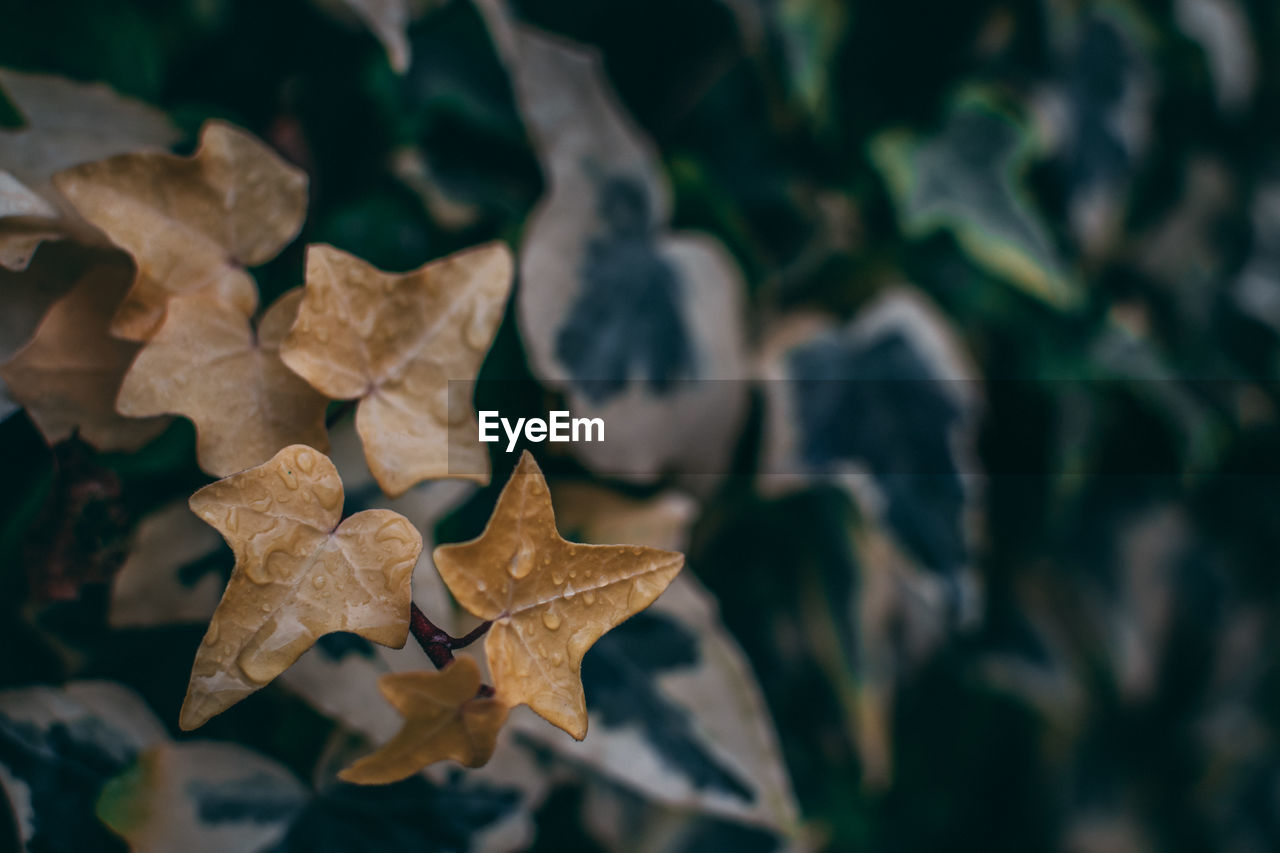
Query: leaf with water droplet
[207,364]
[538,610]
[192,224]
[408,346]
[444,718]
[277,603]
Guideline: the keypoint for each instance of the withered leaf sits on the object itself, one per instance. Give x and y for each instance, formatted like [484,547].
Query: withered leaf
[299,575]
[395,341]
[444,718]
[193,223]
[207,364]
[28,296]
[68,374]
[66,123]
[549,599]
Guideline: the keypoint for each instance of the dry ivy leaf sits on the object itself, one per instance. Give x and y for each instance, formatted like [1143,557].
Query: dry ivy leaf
[549,599]
[394,341]
[67,375]
[193,223]
[66,123]
[30,294]
[299,575]
[444,718]
[207,364]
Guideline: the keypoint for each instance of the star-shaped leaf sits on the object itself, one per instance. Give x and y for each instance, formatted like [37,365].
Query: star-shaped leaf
[66,123]
[299,575]
[549,599]
[444,718]
[394,341]
[67,375]
[207,364]
[193,223]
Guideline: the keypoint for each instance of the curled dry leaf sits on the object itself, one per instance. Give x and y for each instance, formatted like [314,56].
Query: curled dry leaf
[66,123]
[395,341]
[207,364]
[444,718]
[67,376]
[193,223]
[299,575]
[549,599]
[28,296]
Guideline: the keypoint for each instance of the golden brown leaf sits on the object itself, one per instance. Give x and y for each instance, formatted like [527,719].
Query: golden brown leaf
[549,600]
[444,718]
[193,223]
[299,575]
[207,364]
[65,123]
[394,341]
[28,296]
[68,374]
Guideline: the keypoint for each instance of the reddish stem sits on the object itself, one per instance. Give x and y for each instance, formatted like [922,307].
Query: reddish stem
[471,636]
[435,642]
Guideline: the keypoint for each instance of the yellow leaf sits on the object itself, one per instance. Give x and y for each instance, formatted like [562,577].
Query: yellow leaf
[68,374]
[299,575]
[394,341]
[549,600]
[206,363]
[192,224]
[444,718]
